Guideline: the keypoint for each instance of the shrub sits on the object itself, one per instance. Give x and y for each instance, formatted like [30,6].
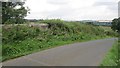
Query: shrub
[18,33]
[111,33]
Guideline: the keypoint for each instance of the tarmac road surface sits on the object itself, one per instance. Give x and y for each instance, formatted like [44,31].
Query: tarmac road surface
[78,54]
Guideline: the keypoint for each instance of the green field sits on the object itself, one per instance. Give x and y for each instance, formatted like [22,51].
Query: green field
[107,28]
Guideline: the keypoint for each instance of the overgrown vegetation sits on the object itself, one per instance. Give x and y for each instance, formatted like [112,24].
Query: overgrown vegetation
[22,40]
[113,57]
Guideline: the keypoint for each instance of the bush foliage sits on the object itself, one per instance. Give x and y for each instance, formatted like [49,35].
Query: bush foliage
[21,40]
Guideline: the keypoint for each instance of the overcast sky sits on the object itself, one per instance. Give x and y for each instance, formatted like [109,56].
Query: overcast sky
[73,9]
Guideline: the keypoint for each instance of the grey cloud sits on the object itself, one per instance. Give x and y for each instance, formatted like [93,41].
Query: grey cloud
[106,0]
[104,3]
[57,2]
[112,6]
[12,0]
[62,12]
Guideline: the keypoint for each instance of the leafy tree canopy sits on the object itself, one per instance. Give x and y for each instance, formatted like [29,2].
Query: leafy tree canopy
[13,12]
[116,24]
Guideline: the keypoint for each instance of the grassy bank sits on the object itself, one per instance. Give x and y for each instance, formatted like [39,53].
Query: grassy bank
[111,58]
[119,51]
[22,40]
[32,45]
[0,43]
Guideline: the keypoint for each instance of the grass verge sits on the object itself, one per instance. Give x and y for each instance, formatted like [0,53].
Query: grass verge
[32,45]
[111,59]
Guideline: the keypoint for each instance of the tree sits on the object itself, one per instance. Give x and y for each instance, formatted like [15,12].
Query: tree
[13,12]
[116,24]
[90,23]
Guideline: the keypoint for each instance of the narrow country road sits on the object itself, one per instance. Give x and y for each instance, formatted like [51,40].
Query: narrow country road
[78,54]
